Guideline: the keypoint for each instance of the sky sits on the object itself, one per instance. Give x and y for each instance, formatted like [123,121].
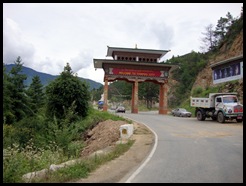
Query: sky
[47,36]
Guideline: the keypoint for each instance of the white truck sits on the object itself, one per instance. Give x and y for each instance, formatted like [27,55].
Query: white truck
[219,106]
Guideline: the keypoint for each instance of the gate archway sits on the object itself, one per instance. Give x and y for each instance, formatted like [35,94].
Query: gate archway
[135,66]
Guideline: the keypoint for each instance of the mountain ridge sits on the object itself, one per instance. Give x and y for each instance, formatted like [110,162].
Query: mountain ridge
[45,78]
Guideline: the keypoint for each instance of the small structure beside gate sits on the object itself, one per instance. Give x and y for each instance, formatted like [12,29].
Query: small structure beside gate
[135,66]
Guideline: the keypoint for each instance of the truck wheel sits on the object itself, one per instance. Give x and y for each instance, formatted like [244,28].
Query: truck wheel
[221,117]
[239,120]
[200,116]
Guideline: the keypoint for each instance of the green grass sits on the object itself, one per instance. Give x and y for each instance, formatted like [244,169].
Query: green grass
[19,160]
[82,168]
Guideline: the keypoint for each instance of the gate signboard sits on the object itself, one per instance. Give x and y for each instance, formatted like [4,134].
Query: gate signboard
[137,72]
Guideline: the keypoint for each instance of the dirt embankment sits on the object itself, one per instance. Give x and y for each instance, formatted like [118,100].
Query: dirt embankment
[105,135]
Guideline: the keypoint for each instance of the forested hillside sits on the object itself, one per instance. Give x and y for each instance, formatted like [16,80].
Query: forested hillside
[47,78]
[231,46]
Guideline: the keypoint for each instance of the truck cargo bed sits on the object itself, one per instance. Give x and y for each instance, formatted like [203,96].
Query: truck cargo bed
[207,102]
[200,102]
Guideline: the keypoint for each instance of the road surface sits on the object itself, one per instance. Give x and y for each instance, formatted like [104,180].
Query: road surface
[190,151]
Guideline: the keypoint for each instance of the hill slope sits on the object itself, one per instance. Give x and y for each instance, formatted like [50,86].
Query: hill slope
[204,78]
[46,78]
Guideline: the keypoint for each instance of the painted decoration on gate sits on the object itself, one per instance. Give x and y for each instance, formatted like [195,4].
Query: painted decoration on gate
[137,72]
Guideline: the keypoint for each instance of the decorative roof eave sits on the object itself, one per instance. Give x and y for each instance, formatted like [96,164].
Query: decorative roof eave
[148,51]
[98,63]
[226,61]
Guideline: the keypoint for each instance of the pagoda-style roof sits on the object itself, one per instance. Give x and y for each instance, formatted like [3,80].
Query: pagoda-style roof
[98,63]
[111,51]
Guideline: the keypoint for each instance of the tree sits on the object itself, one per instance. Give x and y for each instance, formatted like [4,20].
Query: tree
[66,92]
[230,20]
[222,27]
[213,38]
[16,88]
[96,93]
[208,40]
[8,113]
[36,94]
[120,90]
[190,65]
[149,91]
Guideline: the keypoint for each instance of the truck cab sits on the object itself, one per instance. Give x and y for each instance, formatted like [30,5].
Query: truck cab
[229,106]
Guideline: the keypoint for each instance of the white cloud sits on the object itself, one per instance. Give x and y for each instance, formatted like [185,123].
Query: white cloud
[14,43]
[48,35]
[82,60]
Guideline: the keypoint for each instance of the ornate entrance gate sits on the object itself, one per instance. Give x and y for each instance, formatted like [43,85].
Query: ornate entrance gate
[136,65]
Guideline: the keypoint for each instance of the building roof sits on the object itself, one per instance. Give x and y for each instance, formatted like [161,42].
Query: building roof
[138,50]
[226,61]
[98,63]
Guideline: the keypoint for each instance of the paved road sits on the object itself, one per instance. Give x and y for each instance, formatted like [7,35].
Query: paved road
[190,151]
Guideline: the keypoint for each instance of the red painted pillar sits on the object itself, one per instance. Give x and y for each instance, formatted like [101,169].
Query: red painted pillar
[135,97]
[105,94]
[163,99]
[132,101]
